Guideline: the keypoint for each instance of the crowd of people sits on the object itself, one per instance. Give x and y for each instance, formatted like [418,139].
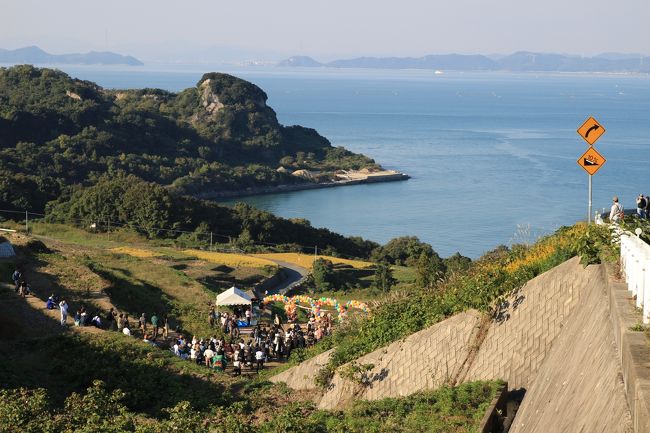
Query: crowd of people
[261,345]
[249,350]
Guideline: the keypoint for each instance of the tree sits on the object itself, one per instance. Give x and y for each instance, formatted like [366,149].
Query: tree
[429,269]
[384,280]
[457,263]
[404,250]
[323,274]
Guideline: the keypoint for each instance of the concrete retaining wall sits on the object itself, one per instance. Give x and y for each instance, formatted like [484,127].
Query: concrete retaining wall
[424,360]
[632,352]
[302,376]
[515,347]
[564,337]
[579,387]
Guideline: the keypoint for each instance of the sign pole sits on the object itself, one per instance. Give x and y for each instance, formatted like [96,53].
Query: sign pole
[589,211]
[591,161]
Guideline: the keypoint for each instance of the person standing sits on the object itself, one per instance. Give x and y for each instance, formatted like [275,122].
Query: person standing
[154,325]
[616,212]
[111,320]
[249,315]
[212,317]
[259,359]
[166,327]
[17,277]
[142,324]
[640,206]
[63,306]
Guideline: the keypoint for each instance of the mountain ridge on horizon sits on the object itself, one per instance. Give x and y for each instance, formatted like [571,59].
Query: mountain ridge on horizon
[36,55]
[520,61]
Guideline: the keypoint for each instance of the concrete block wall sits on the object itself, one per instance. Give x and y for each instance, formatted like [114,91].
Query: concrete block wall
[302,376]
[579,387]
[515,347]
[424,360]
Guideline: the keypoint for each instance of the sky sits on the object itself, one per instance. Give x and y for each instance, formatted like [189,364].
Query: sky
[186,30]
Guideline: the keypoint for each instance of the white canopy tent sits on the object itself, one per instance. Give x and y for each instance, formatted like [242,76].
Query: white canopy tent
[233,296]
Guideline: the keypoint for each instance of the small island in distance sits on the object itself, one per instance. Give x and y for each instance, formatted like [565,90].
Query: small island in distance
[35,55]
[521,61]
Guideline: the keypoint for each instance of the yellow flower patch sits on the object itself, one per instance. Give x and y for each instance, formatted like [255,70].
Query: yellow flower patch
[230,259]
[136,252]
[306,260]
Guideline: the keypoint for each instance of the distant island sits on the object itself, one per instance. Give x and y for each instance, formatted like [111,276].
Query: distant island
[35,55]
[522,61]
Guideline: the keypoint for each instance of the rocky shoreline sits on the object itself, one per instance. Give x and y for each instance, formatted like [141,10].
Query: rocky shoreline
[349,178]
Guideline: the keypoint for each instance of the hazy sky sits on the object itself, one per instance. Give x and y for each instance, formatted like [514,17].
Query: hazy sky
[164,29]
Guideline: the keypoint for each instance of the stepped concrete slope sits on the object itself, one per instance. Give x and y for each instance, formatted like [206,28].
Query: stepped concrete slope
[552,338]
[424,360]
[302,376]
[518,341]
[579,387]
[464,347]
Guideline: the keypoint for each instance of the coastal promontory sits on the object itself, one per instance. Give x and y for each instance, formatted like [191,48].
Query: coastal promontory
[214,139]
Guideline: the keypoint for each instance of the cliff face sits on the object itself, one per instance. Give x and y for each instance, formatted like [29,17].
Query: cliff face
[233,109]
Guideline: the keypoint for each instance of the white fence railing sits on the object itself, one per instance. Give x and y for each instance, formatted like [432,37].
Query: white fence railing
[635,267]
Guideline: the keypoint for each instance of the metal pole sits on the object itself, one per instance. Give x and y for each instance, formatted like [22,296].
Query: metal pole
[589,211]
[26,223]
[210,240]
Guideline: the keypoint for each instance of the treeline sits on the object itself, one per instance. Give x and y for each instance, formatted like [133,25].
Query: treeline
[56,131]
[154,211]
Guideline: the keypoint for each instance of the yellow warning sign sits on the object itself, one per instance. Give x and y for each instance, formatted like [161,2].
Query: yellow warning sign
[591,161]
[591,130]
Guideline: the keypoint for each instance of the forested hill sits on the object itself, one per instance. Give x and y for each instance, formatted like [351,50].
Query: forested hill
[56,131]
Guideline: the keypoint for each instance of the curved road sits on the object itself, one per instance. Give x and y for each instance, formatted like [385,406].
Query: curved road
[294,274]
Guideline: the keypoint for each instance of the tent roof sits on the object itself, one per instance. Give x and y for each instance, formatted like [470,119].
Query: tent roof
[6,250]
[233,296]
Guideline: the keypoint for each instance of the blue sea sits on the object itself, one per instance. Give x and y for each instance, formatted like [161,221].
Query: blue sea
[492,155]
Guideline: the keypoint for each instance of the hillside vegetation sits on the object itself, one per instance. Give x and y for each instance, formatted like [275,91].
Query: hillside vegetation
[56,131]
[85,379]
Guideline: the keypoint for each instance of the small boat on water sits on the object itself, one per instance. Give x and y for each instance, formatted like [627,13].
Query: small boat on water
[438,72]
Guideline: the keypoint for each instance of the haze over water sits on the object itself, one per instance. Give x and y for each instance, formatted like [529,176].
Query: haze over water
[487,152]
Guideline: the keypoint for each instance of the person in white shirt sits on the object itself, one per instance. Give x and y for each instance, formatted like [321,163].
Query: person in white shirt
[616,212]
[249,315]
[126,331]
[63,306]
[208,354]
[259,357]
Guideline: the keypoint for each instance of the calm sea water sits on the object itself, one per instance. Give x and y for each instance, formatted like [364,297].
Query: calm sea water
[492,156]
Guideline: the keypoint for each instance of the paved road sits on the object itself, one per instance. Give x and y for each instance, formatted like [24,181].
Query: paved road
[294,274]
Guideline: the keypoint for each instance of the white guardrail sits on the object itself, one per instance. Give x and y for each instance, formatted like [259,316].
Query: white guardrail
[635,267]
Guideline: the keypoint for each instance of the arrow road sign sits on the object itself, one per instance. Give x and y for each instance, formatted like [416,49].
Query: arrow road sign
[591,130]
[591,161]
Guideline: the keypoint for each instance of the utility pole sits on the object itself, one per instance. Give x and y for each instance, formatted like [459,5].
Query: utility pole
[26,222]
[315,251]
[210,240]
